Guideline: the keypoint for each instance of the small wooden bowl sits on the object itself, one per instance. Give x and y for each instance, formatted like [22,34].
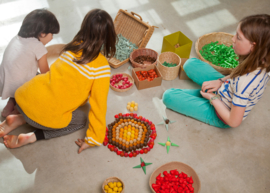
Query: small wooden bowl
[181,167]
[112,179]
[54,51]
[122,90]
[143,52]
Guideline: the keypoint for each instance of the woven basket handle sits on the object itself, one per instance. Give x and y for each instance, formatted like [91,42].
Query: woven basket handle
[136,15]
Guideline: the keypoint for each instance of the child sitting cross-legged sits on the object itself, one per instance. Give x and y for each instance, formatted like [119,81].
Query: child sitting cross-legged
[237,93]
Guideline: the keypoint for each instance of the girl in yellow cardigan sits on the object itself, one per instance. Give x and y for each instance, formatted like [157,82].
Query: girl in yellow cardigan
[49,101]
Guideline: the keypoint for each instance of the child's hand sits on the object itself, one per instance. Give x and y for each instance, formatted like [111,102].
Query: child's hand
[82,145]
[211,86]
[207,95]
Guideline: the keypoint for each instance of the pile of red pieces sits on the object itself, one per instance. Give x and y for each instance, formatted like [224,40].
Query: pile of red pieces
[146,75]
[173,182]
[123,85]
[150,143]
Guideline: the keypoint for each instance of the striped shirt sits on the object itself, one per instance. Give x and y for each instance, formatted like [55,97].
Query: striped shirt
[49,99]
[244,91]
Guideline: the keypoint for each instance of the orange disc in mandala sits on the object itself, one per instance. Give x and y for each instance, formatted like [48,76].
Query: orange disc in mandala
[129,134]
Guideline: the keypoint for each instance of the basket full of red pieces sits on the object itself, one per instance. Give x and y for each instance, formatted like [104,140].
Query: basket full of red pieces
[147,77]
[175,177]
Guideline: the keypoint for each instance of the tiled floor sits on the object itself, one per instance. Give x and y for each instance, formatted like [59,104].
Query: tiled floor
[231,160]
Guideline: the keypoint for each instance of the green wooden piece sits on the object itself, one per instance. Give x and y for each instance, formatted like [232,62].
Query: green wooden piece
[220,55]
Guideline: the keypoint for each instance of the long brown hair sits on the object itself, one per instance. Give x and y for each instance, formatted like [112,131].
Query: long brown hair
[255,28]
[96,33]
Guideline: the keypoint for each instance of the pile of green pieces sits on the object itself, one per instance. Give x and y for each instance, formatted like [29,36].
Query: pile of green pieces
[123,48]
[169,64]
[220,55]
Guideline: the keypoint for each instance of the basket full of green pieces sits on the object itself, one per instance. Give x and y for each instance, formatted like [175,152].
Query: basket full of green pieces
[132,32]
[216,49]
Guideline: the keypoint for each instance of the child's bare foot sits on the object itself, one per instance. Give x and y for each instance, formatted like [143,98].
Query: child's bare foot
[11,123]
[9,107]
[82,145]
[13,141]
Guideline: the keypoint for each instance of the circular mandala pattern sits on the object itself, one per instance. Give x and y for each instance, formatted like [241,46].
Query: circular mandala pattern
[130,135]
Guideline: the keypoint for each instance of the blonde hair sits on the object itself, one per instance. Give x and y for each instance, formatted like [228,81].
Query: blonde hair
[255,28]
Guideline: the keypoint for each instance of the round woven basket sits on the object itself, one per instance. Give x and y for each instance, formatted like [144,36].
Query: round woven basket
[222,38]
[142,52]
[112,179]
[122,90]
[168,73]
[181,167]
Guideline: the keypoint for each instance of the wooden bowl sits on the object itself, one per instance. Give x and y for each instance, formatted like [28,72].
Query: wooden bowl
[222,38]
[143,52]
[181,167]
[54,52]
[112,179]
[122,90]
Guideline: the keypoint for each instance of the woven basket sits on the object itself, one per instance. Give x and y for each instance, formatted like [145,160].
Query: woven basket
[112,179]
[168,73]
[134,29]
[181,167]
[222,38]
[142,52]
[123,90]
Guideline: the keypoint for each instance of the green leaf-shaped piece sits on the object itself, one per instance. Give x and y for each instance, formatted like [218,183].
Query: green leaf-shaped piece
[168,148]
[144,169]
[163,144]
[173,144]
[147,164]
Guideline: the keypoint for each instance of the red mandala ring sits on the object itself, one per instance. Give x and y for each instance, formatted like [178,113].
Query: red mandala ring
[130,135]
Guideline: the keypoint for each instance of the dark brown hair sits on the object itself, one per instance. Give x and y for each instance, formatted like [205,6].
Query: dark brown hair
[37,22]
[255,28]
[96,33]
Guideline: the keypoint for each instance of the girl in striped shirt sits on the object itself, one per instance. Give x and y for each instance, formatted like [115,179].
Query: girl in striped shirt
[225,101]
[49,102]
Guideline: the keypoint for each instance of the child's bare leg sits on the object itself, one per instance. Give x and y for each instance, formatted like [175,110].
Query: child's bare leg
[13,141]
[15,111]
[11,123]
[9,107]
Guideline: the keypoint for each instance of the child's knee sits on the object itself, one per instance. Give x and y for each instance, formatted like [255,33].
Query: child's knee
[167,96]
[190,64]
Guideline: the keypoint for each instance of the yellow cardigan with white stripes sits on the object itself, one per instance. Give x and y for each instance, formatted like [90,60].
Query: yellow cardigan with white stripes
[49,99]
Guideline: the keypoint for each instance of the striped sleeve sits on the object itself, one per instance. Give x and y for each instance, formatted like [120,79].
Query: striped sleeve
[95,133]
[245,86]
